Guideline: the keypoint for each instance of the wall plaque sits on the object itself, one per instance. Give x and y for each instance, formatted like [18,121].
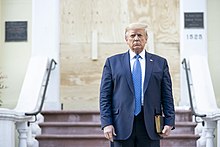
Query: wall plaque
[193,20]
[15,31]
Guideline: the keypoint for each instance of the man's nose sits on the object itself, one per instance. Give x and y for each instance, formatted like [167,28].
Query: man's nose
[136,37]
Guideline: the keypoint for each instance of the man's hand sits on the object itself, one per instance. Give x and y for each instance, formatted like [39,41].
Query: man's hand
[109,131]
[166,131]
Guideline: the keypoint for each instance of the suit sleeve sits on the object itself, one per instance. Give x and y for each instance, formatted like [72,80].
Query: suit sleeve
[167,97]
[106,89]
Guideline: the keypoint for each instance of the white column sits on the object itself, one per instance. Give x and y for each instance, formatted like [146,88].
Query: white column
[193,37]
[210,128]
[46,42]
[150,42]
[94,45]
[7,132]
[23,132]
[218,133]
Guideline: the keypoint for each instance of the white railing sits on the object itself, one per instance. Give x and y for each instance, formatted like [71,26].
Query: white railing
[203,101]
[29,105]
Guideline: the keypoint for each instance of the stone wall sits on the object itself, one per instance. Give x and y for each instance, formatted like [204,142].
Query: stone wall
[80,75]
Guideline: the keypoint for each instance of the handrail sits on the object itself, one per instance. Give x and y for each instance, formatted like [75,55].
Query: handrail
[44,92]
[189,90]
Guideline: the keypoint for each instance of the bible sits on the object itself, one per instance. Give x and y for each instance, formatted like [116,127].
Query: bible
[159,123]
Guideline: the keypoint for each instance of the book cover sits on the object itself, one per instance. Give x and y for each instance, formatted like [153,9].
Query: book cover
[159,122]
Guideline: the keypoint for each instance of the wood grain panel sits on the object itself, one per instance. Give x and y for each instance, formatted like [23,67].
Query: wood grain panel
[80,75]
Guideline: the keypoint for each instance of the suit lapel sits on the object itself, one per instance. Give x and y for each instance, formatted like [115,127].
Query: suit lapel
[127,69]
[148,70]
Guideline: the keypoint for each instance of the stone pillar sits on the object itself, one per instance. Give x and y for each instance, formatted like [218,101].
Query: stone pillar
[46,42]
[23,132]
[7,128]
[8,119]
[218,133]
[193,37]
[210,128]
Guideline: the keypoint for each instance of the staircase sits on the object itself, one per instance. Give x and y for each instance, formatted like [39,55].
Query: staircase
[82,129]
[183,135]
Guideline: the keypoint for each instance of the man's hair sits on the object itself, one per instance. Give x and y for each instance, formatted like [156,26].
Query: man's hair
[136,26]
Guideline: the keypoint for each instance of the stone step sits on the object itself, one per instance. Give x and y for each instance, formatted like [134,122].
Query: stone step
[93,116]
[183,140]
[93,140]
[82,129]
[95,128]
[184,128]
[183,115]
[71,116]
[180,140]
[71,128]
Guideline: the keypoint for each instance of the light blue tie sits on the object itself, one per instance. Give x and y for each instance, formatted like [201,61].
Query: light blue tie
[136,75]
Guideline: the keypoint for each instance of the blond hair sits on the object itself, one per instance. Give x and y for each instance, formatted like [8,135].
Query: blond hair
[136,26]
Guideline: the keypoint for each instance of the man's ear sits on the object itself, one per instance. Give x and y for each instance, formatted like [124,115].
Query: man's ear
[126,39]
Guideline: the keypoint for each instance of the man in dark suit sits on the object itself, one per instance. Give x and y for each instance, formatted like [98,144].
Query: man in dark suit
[136,86]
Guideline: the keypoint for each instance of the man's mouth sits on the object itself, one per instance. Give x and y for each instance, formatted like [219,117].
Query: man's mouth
[137,44]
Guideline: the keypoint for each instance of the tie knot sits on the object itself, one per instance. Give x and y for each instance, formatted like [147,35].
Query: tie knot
[137,56]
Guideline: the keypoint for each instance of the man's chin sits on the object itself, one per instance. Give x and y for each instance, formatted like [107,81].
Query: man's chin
[137,50]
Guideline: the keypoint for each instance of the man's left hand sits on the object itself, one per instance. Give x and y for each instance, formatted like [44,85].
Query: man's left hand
[166,131]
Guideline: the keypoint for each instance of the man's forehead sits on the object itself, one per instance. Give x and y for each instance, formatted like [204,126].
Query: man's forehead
[138,31]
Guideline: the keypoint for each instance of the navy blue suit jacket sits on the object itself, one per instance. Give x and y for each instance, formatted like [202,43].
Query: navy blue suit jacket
[117,100]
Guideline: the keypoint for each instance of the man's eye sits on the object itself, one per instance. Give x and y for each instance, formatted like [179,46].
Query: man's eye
[139,35]
[132,36]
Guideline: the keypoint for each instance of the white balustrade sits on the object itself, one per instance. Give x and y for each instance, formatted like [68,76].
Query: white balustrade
[204,100]
[28,101]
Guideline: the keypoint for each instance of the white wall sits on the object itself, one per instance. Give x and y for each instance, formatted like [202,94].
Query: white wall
[46,42]
[0,27]
[14,55]
[214,45]
[190,46]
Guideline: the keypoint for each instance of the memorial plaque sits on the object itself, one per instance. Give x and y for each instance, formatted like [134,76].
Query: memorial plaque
[15,31]
[194,20]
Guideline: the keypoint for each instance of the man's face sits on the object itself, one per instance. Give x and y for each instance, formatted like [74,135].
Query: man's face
[136,40]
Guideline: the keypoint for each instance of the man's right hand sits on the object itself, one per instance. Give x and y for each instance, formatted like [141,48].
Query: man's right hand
[109,131]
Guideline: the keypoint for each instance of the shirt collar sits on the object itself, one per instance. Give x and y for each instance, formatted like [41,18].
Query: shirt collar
[132,54]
